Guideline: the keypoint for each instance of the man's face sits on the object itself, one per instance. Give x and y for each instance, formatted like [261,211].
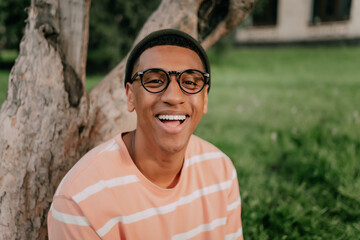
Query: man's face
[154,110]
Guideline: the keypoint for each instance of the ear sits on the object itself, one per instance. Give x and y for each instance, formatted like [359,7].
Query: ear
[130,97]
[205,109]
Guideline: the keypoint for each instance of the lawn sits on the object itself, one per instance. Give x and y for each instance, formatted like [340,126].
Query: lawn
[289,118]
[290,121]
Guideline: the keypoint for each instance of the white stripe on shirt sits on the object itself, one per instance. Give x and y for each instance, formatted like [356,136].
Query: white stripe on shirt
[112,146]
[200,229]
[235,235]
[233,205]
[69,219]
[203,157]
[234,174]
[102,184]
[163,209]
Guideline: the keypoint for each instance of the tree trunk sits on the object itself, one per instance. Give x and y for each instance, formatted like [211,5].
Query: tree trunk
[43,117]
[48,121]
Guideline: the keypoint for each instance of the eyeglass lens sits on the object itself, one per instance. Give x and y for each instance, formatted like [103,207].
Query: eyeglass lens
[191,81]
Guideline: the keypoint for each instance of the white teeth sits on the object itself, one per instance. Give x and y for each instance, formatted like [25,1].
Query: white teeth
[172,117]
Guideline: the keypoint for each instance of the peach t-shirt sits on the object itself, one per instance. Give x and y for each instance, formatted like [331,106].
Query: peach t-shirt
[105,196]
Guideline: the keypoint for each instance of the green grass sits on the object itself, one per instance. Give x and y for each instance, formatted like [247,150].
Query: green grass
[92,80]
[289,118]
[8,55]
[4,77]
[290,121]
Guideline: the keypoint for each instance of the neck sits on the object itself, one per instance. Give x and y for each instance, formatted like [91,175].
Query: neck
[160,167]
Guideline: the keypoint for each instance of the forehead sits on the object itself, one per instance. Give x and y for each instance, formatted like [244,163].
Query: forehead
[169,58]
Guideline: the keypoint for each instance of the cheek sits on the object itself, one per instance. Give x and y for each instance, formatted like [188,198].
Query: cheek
[142,102]
[201,104]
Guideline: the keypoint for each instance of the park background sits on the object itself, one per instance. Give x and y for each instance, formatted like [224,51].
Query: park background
[288,115]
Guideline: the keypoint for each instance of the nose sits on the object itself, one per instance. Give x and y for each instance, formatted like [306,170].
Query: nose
[173,94]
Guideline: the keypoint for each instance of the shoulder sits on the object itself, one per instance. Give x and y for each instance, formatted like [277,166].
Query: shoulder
[197,144]
[204,154]
[91,168]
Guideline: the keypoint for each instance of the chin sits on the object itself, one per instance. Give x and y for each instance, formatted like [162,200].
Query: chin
[173,146]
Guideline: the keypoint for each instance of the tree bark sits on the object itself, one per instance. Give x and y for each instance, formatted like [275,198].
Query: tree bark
[48,121]
[43,117]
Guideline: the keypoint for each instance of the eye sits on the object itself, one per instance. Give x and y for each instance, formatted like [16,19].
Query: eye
[153,82]
[192,80]
[154,79]
[189,82]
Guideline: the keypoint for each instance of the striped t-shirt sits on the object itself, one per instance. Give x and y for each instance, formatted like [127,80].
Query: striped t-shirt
[105,196]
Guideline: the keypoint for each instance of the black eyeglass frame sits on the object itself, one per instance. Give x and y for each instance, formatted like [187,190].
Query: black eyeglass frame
[141,73]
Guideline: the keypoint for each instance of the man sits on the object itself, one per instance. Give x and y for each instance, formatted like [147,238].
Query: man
[158,181]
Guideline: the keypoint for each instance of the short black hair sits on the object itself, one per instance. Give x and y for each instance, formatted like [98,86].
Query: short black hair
[165,37]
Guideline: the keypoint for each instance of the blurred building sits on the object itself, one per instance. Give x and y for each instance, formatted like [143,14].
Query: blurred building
[301,21]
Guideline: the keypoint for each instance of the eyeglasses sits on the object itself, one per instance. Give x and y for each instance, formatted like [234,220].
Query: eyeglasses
[156,80]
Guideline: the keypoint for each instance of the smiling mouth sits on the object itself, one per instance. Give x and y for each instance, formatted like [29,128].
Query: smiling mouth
[172,118]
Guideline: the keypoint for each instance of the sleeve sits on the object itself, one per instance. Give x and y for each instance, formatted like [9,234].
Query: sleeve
[67,221]
[233,208]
